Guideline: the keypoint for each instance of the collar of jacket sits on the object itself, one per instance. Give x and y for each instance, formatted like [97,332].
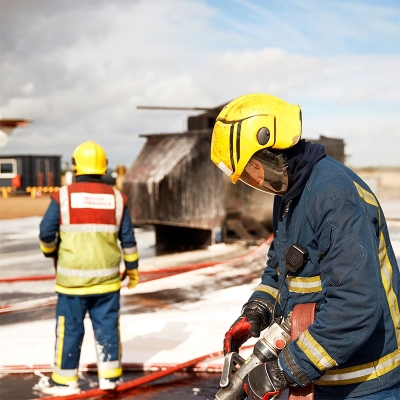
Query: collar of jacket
[89,178]
[301,159]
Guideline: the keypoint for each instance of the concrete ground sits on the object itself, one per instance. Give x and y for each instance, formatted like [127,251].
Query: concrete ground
[163,321]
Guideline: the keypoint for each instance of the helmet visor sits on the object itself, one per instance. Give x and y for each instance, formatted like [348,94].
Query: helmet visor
[267,172]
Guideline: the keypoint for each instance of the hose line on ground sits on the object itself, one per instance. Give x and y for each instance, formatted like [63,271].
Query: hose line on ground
[126,386]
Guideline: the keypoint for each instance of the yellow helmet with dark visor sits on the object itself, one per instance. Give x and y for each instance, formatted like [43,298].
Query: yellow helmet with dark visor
[246,127]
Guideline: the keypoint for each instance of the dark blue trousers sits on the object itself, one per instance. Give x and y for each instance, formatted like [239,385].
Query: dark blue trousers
[103,310]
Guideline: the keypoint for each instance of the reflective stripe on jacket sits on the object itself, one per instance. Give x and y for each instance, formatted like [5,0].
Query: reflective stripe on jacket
[353,347]
[88,254]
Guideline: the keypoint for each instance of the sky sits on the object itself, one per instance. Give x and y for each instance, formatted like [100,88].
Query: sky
[80,68]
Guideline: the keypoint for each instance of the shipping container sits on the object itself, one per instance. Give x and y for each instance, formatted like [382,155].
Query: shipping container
[22,172]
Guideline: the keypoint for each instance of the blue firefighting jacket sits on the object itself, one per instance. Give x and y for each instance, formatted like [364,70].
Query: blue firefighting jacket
[353,346]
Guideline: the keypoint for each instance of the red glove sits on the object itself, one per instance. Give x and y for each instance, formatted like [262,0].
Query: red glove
[255,318]
[265,381]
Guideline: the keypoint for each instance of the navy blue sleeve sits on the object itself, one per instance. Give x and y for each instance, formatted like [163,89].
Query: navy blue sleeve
[48,230]
[128,241]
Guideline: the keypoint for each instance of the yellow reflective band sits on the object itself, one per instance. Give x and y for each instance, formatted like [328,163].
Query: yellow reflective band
[361,373]
[60,340]
[305,284]
[386,267]
[96,228]
[109,369]
[63,380]
[315,352]
[110,373]
[97,289]
[46,249]
[387,281]
[367,196]
[131,257]
[87,273]
[268,289]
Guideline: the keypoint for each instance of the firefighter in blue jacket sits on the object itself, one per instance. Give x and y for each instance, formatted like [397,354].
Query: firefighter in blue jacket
[331,247]
[81,230]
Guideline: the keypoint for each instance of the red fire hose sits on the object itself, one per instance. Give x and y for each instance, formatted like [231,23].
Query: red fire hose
[178,269]
[98,393]
[27,278]
[158,374]
[163,273]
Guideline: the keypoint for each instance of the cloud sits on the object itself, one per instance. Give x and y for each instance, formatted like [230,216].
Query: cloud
[81,70]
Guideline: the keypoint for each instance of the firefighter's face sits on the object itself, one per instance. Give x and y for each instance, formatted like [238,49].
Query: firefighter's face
[255,172]
[268,172]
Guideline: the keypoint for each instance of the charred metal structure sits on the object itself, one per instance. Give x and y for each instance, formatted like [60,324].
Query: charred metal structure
[174,186]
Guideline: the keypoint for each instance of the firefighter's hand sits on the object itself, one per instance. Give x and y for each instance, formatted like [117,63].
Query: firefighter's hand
[255,318]
[133,277]
[265,381]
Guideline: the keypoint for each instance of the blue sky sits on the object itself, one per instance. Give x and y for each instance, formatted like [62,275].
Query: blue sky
[320,28]
[80,68]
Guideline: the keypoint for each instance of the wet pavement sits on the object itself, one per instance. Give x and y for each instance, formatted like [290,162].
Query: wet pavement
[146,302]
[21,257]
[179,386]
[163,320]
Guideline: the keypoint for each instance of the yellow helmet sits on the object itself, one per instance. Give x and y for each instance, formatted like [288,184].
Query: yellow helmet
[89,158]
[251,123]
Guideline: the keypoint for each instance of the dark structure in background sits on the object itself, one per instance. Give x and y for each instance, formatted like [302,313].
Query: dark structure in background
[25,171]
[333,147]
[174,186]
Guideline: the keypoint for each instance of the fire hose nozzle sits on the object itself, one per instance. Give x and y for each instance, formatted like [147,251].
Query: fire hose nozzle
[235,368]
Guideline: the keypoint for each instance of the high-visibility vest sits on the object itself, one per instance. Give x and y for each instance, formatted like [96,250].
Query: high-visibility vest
[89,254]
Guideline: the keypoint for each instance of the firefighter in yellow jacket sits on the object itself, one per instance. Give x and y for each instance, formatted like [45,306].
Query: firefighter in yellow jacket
[81,230]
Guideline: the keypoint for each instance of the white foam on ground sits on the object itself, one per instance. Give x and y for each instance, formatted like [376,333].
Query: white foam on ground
[168,335]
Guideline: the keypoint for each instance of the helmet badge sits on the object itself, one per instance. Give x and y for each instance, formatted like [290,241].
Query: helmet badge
[263,136]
